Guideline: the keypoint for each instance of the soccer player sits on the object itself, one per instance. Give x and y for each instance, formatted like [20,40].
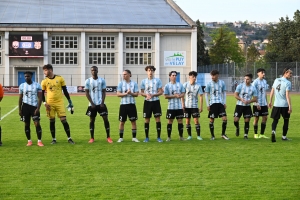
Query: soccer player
[245,93]
[216,104]
[30,100]
[174,92]
[282,105]
[53,84]
[1,97]
[260,108]
[191,108]
[151,89]
[127,90]
[95,91]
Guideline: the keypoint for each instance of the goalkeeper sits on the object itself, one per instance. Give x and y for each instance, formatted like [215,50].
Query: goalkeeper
[53,85]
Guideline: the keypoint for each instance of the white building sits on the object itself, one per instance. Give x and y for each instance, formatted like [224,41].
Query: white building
[74,35]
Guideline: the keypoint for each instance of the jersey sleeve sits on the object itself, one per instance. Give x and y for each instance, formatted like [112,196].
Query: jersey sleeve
[255,91]
[21,89]
[87,85]
[104,84]
[43,85]
[119,88]
[62,81]
[142,85]
[207,88]
[288,86]
[136,87]
[223,86]
[38,87]
[238,88]
[200,91]
[159,84]
[166,89]
[182,88]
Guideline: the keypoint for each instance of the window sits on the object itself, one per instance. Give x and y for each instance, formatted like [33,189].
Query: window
[0,42]
[138,58]
[101,42]
[102,58]
[64,42]
[64,58]
[138,43]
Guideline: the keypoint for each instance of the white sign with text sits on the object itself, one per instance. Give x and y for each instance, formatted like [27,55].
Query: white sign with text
[175,58]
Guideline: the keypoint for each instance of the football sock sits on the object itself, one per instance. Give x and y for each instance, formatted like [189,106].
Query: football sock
[189,129]
[107,128]
[52,129]
[146,126]
[274,124]
[285,127]
[169,129]
[255,127]
[66,127]
[0,133]
[27,132]
[263,128]
[246,128]
[158,128]
[180,130]
[38,130]
[197,126]
[133,133]
[121,132]
[224,125]
[92,129]
[212,129]
[237,125]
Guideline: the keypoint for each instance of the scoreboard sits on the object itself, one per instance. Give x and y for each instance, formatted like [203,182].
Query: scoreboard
[26,45]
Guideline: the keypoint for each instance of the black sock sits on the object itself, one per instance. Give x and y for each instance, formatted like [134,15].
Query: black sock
[224,126]
[121,133]
[237,125]
[198,128]
[158,129]
[255,128]
[246,128]
[146,127]
[107,128]
[38,129]
[262,129]
[274,124]
[133,133]
[180,130]
[189,129]
[66,127]
[169,129]
[52,128]
[0,133]
[212,129]
[27,132]
[92,129]
[285,127]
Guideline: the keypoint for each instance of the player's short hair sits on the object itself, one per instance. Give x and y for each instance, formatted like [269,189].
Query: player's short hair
[48,66]
[171,72]
[128,71]
[28,72]
[249,75]
[94,67]
[193,73]
[150,67]
[214,72]
[260,70]
[286,70]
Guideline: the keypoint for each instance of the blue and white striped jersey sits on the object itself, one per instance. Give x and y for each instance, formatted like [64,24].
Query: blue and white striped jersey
[216,91]
[245,92]
[281,85]
[30,92]
[261,86]
[151,87]
[191,94]
[171,89]
[95,88]
[123,86]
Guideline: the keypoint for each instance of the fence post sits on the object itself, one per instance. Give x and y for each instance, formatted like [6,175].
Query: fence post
[71,80]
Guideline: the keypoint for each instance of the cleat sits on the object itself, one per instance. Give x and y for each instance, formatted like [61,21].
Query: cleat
[135,140]
[146,140]
[168,139]
[256,136]
[71,141]
[159,140]
[225,137]
[286,139]
[53,142]
[262,136]
[199,138]
[91,140]
[212,138]
[237,132]
[246,137]
[189,138]
[120,140]
[0,143]
[273,138]
[29,143]
[109,140]
[181,138]
[40,144]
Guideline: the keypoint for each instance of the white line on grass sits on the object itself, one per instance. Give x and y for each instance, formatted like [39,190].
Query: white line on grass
[9,112]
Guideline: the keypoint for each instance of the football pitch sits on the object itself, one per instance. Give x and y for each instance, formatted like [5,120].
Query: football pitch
[219,169]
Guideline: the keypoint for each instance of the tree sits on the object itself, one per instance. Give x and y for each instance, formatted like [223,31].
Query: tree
[202,55]
[252,54]
[225,48]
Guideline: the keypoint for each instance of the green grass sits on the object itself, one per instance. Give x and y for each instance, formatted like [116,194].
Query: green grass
[234,169]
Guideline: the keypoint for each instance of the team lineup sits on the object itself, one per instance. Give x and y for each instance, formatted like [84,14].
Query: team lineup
[185,101]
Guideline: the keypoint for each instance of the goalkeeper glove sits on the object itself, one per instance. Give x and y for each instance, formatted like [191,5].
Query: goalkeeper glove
[70,106]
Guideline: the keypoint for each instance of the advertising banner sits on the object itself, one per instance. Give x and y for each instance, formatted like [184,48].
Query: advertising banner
[175,58]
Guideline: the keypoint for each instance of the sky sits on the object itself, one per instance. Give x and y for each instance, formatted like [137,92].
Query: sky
[259,11]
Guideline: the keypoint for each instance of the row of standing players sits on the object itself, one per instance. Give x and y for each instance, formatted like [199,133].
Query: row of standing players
[184,101]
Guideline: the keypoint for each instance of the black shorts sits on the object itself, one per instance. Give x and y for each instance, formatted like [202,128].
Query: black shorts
[171,114]
[242,110]
[277,111]
[93,112]
[28,111]
[262,112]
[127,110]
[216,110]
[188,112]
[151,107]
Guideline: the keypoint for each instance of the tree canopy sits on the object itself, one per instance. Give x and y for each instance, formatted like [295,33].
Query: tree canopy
[202,54]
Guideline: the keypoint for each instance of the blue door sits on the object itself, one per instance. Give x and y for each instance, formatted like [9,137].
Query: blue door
[21,78]
[178,77]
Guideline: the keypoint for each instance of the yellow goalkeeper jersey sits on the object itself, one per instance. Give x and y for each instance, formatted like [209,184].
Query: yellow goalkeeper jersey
[53,87]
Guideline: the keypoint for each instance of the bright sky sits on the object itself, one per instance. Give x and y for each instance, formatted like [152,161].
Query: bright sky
[239,10]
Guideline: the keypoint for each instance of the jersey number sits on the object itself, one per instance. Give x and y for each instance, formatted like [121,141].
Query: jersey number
[278,87]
